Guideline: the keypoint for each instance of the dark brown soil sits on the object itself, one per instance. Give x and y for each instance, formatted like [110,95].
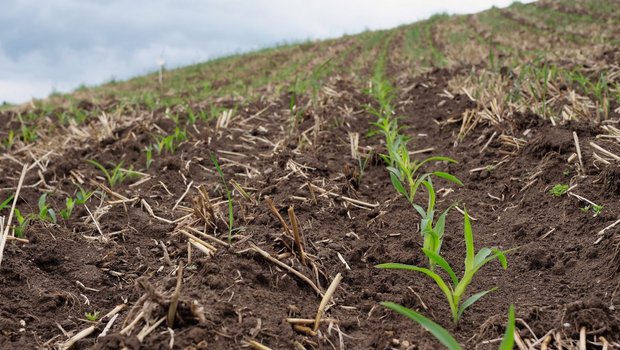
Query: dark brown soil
[558,278]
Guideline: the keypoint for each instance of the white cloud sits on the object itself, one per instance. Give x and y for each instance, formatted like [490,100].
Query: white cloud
[63,43]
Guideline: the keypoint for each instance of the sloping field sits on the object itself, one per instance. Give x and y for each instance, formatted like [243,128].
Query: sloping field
[246,202]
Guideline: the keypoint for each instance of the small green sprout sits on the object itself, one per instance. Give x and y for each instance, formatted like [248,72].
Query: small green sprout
[80,199]
[28,133]
[168,143]
[45,212]
[596,209]
[82,196]
[22,223]
[6,202]
[444,336]
[228,194]
[9,141]
[473,262]
[115,176]
[559,190]
[69,204]
[92,316]
[149,155]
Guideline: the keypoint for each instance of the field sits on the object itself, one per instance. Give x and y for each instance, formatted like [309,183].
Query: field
[246,202]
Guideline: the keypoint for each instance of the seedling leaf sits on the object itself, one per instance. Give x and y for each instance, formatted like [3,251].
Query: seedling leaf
[448,177]
[436,330]
[398,185]
[471,300]
[6,202]
[509,338]
[437,259]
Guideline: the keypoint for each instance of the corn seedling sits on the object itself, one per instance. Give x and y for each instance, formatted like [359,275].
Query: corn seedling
[9,140]
[473,262]
[6,202]
[149,155]
[432,234]
[168,143]
[45,212]
[228,195]
[82,196]
[69,205]
[116,175]
[559,190]
[22,223]
[444,335]
[191,116]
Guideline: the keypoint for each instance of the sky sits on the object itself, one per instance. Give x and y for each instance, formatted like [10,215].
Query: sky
[58,45]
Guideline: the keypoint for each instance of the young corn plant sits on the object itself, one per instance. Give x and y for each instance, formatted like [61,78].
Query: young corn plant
[80,199]
[169,143]
[444,336]
[45,212]
[22,223]
[149,155]
[455,291]
[116,175]
[6,202]
[69,205]
[228,195]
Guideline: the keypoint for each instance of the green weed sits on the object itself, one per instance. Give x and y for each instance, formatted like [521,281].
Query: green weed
[92,316]
[559,190]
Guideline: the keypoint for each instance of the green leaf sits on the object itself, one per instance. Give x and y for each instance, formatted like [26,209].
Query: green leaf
[52,215]
[431,159]
[431,194]
[447,291]
[469,242]
[436,330]
[501,256]
[440,227]
[437,259]
[398,185]
[42,200]
[448,177]
[6,202]
[420,210]
[481,255]
[509,338]
[471,300]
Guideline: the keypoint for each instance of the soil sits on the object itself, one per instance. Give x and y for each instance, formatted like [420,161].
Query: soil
[129,248]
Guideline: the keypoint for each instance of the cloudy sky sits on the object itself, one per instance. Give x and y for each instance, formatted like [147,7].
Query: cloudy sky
[56,45]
